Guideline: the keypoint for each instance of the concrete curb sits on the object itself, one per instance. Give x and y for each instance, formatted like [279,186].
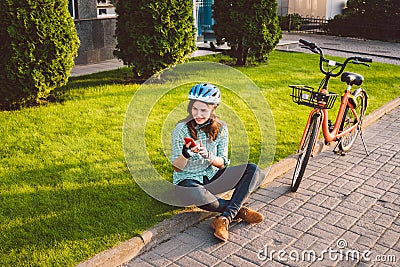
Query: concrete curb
[168,228]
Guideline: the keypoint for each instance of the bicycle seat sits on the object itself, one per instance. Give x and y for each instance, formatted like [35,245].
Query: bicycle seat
[352,78]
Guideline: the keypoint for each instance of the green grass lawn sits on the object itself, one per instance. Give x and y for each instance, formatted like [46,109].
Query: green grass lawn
[66,193]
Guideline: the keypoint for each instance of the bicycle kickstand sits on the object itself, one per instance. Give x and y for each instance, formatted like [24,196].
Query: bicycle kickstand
[362,140]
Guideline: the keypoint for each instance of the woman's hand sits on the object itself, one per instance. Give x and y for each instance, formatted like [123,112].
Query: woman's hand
[202,150]
[188,151]
[210,157]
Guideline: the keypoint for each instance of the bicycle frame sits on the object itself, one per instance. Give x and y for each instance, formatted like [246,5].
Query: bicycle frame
[333,135]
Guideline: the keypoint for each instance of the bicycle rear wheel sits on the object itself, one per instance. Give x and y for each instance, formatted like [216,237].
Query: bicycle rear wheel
[349,120]
[305,152]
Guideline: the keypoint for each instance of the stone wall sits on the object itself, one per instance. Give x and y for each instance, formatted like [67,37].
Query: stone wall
[97,38]
[97,35]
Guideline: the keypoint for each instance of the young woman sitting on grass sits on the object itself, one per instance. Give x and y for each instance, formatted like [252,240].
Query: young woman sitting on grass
[202,165]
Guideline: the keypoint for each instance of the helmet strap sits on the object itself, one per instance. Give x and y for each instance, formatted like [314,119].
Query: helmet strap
[199,126]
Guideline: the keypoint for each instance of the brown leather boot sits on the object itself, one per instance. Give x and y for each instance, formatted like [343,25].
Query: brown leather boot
[249,215]
[220,225]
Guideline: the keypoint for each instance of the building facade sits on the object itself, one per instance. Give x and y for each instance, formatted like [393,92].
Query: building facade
[202,13]
[313,8]
[95,21]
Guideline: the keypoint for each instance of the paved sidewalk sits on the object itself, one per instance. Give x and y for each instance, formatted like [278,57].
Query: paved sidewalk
[345,213]
[379,51]
[115,63]
[385,52]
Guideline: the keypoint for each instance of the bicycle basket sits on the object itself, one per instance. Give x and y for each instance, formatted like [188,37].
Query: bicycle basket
[307,96]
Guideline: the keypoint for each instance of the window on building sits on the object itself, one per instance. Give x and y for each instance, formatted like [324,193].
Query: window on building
[204,17]
[106,8]
[71,7]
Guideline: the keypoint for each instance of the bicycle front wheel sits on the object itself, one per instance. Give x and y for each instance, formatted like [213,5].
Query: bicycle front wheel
[350,119]
[305,152]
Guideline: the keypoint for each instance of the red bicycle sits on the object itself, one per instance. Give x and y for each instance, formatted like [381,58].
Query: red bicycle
[348,121]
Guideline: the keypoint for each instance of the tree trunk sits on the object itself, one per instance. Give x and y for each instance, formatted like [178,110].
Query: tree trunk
[239,53]
[244,58]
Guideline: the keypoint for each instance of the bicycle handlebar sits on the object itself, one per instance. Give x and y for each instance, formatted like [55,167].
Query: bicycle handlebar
[316,49]
[307,43]
[364,59]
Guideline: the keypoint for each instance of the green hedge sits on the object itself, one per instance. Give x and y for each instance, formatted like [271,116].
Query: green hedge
[153,35]
[38,44]
[251,28]
[371,19]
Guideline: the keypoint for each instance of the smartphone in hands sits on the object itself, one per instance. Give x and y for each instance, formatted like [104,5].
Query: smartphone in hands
[190,141]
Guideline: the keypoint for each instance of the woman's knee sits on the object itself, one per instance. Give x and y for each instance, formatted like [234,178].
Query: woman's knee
[256,176]
[251,167]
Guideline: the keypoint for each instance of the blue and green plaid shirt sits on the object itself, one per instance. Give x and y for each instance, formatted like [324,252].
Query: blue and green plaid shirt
[197,167]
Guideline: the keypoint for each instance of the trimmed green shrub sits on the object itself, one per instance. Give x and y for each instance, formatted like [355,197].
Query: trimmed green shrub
[371,19]
[38,45]
[250,27]
[153,35]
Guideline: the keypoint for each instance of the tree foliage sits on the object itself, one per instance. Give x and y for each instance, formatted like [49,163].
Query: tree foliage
[153,35]
[250,27]
[38,45]
[373,19]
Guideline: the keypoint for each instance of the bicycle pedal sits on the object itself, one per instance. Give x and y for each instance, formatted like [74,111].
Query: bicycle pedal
[327,143]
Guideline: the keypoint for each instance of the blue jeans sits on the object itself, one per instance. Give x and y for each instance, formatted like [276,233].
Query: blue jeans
[244,179]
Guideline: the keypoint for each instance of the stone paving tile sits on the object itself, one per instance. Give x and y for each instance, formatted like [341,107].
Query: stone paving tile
[238,261]
[226,250]
[389,238]
[264,226]
[178,253]
[348,205]
[305,241]
[305,224]
[281,228]
[281,201]
[307,210]
[291,220]
[155,260]
[243,233]
[332,217]
[250,255]
[205,258]
[166,247]
[223,264]
[137,262]
[187,261]
[293,204]
[367,201]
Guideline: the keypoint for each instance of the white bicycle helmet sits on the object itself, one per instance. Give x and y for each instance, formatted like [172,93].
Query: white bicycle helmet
[205,92]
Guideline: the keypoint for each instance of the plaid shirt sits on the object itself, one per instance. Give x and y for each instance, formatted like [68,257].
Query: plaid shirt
[197,167]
